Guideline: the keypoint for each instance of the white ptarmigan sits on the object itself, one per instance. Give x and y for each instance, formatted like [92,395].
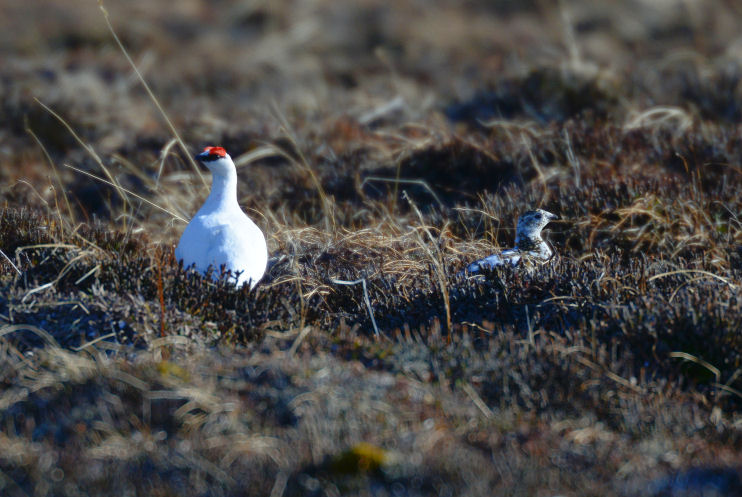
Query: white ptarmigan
[530,249]
[220,234]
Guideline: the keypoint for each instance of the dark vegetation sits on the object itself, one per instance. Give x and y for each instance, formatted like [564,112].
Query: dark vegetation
[391,145]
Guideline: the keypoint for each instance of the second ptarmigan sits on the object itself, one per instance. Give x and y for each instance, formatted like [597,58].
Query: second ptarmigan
[221,234]
[530,248]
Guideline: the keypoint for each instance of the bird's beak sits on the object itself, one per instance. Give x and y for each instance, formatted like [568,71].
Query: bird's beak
[201,158]
[554,217]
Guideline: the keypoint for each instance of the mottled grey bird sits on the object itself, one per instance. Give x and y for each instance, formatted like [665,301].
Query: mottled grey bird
[530,249]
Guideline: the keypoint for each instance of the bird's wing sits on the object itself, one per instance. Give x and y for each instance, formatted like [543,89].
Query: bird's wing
[229,245]
[240,250]
[506,257]
[193,245]
[512,256]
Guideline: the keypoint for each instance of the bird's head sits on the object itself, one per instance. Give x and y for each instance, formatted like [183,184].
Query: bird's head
[217,160]
[531,223]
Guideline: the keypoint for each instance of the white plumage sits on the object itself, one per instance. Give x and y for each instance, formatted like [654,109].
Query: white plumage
[220,234]
[530,247]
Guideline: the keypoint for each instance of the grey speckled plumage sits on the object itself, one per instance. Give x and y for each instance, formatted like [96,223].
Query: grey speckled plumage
[530,248]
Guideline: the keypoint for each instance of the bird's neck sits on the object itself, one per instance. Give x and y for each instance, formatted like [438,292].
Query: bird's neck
[533,244]
[223,192]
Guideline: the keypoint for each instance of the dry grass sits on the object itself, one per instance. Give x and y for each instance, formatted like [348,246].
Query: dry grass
[385,147]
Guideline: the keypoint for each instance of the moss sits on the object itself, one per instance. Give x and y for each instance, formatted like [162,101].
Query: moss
[361,458]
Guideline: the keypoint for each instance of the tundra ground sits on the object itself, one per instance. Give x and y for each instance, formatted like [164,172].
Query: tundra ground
[387,146]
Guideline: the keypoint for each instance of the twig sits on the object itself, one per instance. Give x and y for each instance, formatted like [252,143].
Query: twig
[437,261]
[658,116]
[572,158]
[163,155]
[160,295]
[88,274]
[610,374]
[93,342]
[691,358]
[128,192]
[11,262]
[151,93]
[728,389]
[303,163]
[6,330]
[362,281]
[299,339]
[397,103]
[56,175]
[699,271]
[404,182]
[89,148]
[279,486]
[474,396]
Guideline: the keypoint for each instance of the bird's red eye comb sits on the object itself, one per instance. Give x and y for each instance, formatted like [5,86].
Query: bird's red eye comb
[215,151]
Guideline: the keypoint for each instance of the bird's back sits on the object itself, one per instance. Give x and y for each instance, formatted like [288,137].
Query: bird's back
[506,257]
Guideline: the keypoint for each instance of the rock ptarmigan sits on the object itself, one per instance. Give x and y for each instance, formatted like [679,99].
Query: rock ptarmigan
[530,249]
[220,234]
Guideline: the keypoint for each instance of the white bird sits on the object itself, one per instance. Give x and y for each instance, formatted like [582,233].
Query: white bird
[220,234]
[530,248]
